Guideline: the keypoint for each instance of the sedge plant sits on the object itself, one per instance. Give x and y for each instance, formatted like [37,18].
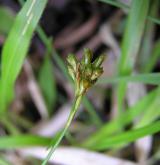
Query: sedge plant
[84,73]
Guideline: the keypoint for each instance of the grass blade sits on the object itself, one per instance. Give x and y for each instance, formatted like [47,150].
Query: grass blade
[131,43]
[125,118]
[151,113]
[116,4]
[47,83]
[126,7]
[150,78]
[90,109]
[20,141]
[154,57]
[16,47]
[126,137]
[147,43]
[155,20]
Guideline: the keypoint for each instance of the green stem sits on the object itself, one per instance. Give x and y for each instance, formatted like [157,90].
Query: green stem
[74,109]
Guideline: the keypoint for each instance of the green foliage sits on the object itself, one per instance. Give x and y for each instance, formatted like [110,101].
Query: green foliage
[125,118]
[16,47]
[119,4]
[125,137]
[147,78]
[47,83]
[148,38]
[155,55]
[131,43]
[21,141]
[115,3]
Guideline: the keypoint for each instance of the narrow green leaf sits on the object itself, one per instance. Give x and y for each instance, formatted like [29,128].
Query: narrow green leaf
[90,109]
[126,137]
[20,141]
[133,35]
[16,47]
[155,55]
[116,3]
[148,39]
[150,78]
[126,7]
[47,83]
[151,113]
[125,118]
[155,20]
[131,43]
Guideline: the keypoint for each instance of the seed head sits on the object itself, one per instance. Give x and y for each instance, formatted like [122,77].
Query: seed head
[84,73]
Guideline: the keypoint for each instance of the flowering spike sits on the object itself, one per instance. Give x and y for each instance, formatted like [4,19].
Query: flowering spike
[84,73]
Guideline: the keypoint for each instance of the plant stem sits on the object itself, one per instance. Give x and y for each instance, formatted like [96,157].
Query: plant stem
[73,111]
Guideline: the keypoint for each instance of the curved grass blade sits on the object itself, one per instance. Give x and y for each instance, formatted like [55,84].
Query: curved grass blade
[153,58]
[150,78]
[16,47]
[151,114]
[126,137]
[125,118]
[131,43]
[20,141]
[116,4]
[126,7]
[47,83]
[155,20]
[148,39]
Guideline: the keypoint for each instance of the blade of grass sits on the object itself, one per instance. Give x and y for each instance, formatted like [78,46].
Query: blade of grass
[151,114]
[150,78]
[95,119]
[20,141]
[47,83]
[125,118]
[126,7]
[148,39]
[16,47]
[116,4]
[131,43]
[126,137]
[155,20]
[153,58]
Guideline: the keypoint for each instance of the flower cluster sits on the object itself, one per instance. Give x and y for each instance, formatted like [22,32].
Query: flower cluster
[84,73]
